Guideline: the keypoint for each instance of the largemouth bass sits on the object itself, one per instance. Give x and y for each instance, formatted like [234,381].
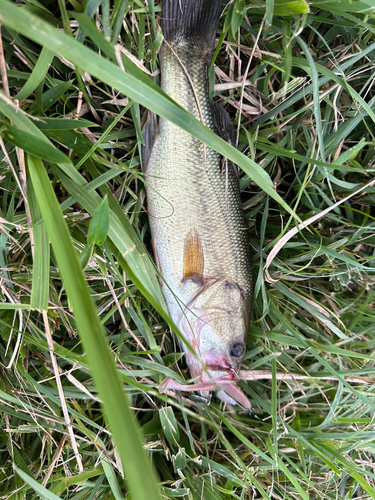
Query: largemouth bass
[199,233]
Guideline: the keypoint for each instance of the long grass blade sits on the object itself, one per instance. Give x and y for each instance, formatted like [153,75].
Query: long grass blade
[140,476]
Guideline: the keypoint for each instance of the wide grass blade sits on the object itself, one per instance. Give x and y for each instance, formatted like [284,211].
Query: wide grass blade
[38,74]
[41,491]
[41,255]
[33,145]
[140,476]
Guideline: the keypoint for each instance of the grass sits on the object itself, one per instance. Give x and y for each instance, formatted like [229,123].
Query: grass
[79,290]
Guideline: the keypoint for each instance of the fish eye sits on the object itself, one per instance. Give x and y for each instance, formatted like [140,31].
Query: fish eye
[237,349]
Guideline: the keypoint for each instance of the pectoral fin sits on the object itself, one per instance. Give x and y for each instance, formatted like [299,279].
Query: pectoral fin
[193,259]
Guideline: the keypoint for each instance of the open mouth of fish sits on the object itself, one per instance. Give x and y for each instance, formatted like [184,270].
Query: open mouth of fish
[217,344]
[222,379]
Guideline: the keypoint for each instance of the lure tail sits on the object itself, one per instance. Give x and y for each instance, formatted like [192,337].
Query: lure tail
[191,25]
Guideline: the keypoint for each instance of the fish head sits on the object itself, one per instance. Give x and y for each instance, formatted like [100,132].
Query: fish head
[215,324]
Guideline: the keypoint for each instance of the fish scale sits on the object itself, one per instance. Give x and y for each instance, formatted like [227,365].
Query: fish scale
[193,198]
[188,191]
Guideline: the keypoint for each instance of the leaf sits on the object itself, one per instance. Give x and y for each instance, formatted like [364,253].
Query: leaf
[112,480]
[36,486]
[52,95]
[169,425]
[38,74]
[270,7]
[41,256]
[33,145]
[283,8]
[85,256]
[99,224]
[63,123]
[292,8]
[237,15]
[13,306]
[141,478]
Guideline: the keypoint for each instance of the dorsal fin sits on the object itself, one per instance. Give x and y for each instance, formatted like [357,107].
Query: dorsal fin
[149,136]
[193,258]
[223,125]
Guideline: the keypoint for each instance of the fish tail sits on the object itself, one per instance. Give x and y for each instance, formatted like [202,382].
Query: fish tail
[191,25]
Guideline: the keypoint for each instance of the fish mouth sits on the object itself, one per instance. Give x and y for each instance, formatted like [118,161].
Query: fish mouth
[217,377]
[228,370]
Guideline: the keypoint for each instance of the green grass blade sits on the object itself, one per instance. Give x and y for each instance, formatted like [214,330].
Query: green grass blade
[13,306]
[112,480]
[41,491]
[63,124]
[118,20]
[140,475]
[33,145]
[38,74]
[315,86]
[99,224]
[41,256]
[51,96]
[269,12]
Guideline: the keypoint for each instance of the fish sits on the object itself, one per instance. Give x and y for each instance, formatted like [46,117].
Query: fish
[198,230]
